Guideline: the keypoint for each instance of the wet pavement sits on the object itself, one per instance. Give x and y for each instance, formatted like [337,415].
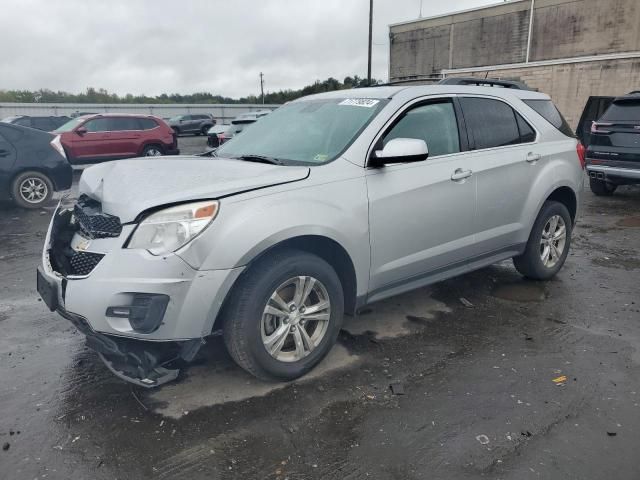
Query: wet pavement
[475,358]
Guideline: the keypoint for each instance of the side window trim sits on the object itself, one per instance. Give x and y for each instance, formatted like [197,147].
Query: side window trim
[471,133]
[419,102]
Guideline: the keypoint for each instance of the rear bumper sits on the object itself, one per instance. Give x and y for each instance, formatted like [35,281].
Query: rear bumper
[603,172]
[173,151]
[62,176]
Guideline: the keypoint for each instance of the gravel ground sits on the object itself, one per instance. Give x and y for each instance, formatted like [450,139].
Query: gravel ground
[477,376]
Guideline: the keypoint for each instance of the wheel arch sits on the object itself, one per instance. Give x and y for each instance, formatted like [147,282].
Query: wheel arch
[324,247]
[568,198]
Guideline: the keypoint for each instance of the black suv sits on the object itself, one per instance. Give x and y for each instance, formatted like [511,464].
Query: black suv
[613,153]
[193,123]
[47,124]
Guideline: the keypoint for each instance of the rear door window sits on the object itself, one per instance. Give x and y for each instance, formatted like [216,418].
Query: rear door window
[492,122]
[124,123]
[435,123]
[527,133]
[551,114]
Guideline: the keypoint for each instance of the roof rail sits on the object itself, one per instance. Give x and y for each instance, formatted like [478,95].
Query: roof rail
[405,81]
[491,82]
[635,92]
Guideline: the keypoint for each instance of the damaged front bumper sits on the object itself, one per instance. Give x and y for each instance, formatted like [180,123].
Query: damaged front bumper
[145,364]
[143,314]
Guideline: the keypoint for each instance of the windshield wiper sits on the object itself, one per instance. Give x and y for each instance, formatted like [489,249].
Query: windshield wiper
[260,159]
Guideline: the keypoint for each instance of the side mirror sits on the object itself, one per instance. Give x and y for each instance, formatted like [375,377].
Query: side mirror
[400,150]
[81,130]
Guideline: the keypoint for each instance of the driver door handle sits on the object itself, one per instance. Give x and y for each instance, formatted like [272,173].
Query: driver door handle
[460,174]
[533,157]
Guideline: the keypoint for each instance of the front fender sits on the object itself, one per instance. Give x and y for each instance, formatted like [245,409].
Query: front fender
[247,227]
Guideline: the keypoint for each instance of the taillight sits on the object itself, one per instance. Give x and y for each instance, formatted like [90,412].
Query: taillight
[57,145]
[597,127]
[581,153]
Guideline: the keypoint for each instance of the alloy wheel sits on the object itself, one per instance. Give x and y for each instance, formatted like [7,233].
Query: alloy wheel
[33,190]
[153,152]
[553,241]
[295,319]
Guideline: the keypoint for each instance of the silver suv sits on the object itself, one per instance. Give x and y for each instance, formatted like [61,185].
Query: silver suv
[330,202]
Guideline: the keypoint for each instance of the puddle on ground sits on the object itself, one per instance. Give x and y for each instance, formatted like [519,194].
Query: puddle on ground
[214,384]
[628,263]
[388,319]
[525,291]
[629,222]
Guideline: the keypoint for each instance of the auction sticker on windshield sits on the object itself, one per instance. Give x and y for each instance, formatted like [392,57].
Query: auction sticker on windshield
[360,102]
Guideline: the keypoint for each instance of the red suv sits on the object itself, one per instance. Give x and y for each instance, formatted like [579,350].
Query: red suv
[98,138]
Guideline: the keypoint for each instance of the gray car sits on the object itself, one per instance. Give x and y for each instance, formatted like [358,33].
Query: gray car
[329,203]
[196,123]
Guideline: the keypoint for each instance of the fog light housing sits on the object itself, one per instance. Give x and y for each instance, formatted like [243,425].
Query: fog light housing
[145,313]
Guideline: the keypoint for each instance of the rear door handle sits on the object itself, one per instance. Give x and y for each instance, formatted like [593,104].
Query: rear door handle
[460,174]
[533,157]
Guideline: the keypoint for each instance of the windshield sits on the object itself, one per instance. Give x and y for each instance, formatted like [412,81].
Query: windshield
[309,132]
[176,118]
[70,125]
[9,119]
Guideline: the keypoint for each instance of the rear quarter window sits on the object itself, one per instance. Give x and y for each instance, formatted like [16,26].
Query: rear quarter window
[147,123]
[551,114]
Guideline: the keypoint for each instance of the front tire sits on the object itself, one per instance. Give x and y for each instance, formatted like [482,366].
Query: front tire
[284,315]
[601,188]
[31,190]
[548,244]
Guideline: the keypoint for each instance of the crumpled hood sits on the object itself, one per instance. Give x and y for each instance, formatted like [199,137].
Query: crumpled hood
[128,187]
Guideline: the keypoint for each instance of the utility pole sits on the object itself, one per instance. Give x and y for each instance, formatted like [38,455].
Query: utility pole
[370,41]
[262,86]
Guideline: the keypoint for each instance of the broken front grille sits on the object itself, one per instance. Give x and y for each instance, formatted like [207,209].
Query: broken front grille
[92,222]
[82,263]
[64,259]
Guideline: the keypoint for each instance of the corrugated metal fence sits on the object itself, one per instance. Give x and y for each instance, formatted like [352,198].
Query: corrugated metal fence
[223,113]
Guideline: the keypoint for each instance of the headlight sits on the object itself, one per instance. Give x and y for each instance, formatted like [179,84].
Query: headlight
[167,230]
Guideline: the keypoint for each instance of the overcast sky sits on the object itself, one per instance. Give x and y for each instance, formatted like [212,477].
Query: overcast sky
[164,46]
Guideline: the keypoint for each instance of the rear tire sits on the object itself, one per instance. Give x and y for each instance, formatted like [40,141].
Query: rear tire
[601,188]
[31,190]
[273,345]
[152,151]
[548,244]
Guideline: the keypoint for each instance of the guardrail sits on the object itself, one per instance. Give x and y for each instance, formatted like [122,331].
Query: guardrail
[223,113]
